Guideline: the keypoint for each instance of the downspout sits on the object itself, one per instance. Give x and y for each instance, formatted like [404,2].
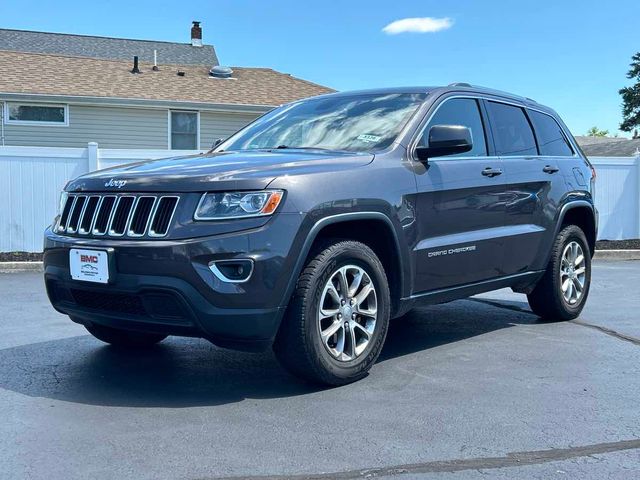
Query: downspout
[2,124]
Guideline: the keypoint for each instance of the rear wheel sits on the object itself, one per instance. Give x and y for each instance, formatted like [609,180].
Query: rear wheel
[337,320]
[124,338]
[562,292]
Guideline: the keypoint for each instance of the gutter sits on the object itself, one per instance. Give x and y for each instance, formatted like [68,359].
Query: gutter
[138,102]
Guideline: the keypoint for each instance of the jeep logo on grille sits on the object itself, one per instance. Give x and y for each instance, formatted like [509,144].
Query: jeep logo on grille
[115,183]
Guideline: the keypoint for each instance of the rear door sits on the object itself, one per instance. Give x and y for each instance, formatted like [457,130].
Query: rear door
[460,205]
[536,184]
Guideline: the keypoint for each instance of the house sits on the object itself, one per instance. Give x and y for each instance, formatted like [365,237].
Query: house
[609,146]
[60,90]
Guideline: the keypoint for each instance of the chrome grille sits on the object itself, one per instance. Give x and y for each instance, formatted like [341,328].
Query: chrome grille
[130,215]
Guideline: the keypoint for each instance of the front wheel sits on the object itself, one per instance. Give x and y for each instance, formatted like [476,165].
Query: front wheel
[337,320]
[562,291]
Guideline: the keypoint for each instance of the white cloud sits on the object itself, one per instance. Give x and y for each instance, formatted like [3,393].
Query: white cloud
[418,25]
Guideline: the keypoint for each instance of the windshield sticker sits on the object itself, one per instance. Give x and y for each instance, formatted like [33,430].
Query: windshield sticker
[365,137]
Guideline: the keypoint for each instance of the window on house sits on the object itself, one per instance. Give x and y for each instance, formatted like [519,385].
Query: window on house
[184,130]
[38,114]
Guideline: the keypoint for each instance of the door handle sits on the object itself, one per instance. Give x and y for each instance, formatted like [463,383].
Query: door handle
[550,169]
[491,172]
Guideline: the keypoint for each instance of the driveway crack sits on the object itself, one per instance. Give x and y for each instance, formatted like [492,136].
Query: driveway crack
[514,459]
[608,331]
[582,323]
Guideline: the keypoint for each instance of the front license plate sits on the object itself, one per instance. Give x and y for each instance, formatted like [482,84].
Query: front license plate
[89,265]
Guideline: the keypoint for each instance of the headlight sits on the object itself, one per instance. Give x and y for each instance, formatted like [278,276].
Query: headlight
[62,201]
[221,206]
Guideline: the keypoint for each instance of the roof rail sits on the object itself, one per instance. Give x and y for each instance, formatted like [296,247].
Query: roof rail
[459,84]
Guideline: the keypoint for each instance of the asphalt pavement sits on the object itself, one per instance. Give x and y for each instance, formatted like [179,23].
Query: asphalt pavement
[465,390]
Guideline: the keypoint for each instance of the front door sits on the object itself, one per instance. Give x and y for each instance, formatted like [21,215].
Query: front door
[460,206]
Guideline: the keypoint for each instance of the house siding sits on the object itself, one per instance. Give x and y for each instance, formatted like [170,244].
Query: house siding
[111,127]
[119,127]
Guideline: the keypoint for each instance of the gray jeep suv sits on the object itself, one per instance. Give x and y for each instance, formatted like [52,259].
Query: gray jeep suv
[312,227]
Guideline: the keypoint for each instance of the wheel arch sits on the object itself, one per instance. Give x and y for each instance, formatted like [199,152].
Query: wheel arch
[357,226]
[582,214]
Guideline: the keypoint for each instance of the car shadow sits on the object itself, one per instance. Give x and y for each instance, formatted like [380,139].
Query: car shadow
[424,328]
[185,372]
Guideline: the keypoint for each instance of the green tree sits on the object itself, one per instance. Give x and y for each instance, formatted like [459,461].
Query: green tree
[596,132]
[631,97]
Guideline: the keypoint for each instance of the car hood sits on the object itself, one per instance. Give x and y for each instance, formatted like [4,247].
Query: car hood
[241,170]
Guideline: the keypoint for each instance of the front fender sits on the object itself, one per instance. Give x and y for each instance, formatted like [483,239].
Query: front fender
[314,225]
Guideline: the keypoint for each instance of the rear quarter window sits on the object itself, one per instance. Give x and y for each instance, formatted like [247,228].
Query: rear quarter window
[551,139]
[511,130]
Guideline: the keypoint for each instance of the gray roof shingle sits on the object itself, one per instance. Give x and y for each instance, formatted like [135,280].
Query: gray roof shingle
[592,140]
[615,147]
[106,48]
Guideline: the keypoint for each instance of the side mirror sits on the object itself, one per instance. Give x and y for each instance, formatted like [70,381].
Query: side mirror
[217,142]
[445,140]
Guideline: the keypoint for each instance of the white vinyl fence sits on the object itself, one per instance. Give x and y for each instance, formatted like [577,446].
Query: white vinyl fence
[31,179]
[618,197]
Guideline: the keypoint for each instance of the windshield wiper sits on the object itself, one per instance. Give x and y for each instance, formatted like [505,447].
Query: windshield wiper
[282,147]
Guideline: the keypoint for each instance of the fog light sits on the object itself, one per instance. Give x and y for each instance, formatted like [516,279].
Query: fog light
[232,271]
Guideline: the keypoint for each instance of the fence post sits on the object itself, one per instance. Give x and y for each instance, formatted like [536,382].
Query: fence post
[637,199]
[92,155]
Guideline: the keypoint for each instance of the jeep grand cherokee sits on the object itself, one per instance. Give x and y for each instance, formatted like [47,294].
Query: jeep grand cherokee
[312,227]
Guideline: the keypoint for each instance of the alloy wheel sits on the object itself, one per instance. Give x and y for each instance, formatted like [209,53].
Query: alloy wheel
[572,273]
[347,312]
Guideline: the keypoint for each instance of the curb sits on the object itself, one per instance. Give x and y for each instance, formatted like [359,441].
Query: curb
[617,255]
[15,267]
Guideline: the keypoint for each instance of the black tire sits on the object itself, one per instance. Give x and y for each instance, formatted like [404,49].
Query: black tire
[299,346]
[547,299]
[124,338]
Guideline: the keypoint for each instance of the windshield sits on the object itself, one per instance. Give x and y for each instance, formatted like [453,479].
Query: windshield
[355,123]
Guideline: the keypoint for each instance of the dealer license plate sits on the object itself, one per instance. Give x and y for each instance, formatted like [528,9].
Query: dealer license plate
[89,265]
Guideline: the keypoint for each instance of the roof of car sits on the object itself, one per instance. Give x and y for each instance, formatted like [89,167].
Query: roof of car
[454,87]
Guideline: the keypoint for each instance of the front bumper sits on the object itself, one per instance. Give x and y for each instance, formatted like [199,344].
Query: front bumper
[166,286]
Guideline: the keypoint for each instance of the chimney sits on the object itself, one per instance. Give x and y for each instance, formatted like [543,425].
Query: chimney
[196,34]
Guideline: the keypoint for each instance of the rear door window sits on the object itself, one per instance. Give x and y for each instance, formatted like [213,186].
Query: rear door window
[511,130]
[551,139]
[460,111]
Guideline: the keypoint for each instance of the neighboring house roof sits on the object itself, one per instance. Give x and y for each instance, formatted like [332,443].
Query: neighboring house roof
[592,140]
[614,147]
[41,74]
[106,48]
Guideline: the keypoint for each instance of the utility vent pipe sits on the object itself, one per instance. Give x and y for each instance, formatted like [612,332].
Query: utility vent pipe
[135,69]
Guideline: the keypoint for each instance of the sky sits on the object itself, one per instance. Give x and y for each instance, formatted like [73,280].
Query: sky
[570,55]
